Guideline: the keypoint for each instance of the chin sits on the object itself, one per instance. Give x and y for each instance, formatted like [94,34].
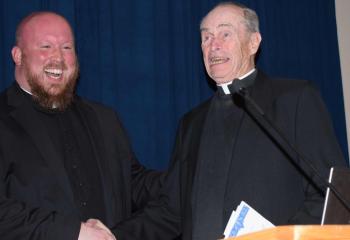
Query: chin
[219,79]
[56,90]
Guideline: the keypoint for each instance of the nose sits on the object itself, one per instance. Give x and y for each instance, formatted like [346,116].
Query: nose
[57,54]
[215,44]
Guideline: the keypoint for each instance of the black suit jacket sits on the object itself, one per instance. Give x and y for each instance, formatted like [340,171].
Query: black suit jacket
[36,198]
[273,184]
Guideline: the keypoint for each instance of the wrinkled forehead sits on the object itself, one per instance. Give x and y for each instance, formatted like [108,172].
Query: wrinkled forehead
[222,16]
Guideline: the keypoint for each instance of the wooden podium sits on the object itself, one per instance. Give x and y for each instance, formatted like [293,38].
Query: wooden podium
[300,232]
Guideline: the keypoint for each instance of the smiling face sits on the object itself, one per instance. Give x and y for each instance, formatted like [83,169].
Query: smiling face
[45,58]
[228,47]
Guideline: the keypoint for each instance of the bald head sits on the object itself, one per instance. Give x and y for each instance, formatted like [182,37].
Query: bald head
[35,19]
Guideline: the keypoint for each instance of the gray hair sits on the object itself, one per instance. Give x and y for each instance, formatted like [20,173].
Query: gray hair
[250,18]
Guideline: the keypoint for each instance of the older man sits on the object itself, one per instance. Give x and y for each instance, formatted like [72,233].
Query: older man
[63,160]
[223,155]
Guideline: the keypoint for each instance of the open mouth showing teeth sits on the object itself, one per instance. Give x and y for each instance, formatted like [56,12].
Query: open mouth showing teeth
[53,73]
[218,60]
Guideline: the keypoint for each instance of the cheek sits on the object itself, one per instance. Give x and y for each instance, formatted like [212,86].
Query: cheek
[32,56]
[233,45]
[34,63]
[70,60]
[205,52]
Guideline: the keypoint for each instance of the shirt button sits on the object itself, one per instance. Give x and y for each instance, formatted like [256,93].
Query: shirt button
[83,204]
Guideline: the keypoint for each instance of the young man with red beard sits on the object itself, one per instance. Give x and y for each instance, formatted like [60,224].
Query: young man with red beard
[64,161]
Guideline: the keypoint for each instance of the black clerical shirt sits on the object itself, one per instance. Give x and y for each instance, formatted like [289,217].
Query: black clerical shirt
[72,141]
[216,152]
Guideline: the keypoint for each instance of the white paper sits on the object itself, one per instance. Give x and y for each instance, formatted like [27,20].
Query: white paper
[245,220]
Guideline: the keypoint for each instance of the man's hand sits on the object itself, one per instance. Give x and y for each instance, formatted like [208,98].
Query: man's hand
[95,223]
[94,229]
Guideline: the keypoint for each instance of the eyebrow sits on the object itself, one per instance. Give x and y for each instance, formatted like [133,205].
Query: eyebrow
[218,26]
[204,29]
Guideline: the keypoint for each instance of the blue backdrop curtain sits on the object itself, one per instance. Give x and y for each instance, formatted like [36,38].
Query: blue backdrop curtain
[143,58]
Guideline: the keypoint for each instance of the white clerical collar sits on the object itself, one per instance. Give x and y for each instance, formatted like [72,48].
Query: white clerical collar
[25,90]
[53,106]
[225,85]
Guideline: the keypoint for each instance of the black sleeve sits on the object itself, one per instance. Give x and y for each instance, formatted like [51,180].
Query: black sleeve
[315,138]
[161,218]
[20,221]
[145,184]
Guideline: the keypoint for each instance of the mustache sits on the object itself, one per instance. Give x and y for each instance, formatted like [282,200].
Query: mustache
[54,64]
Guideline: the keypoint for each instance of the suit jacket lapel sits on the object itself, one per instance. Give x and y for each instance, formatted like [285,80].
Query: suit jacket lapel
[93,128]
[196,135]
[188,167]
[262,92]
[26,117]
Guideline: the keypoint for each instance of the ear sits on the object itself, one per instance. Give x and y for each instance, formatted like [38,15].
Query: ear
[17,55]
[255,39]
